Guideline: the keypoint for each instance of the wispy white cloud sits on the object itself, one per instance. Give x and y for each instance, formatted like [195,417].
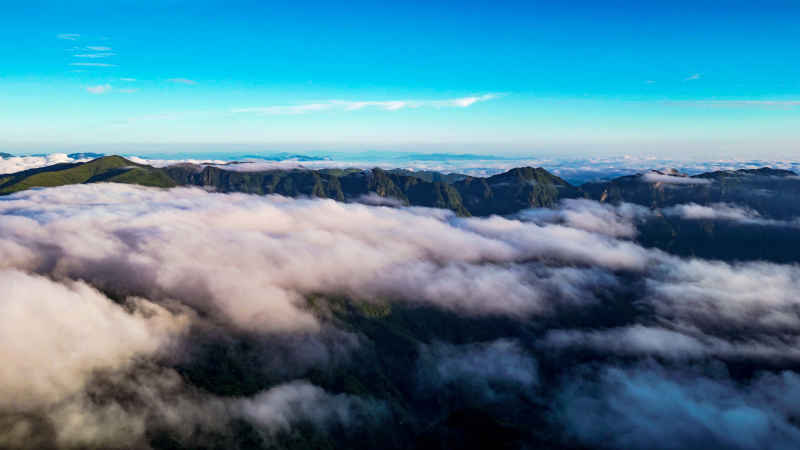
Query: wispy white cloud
[349,105]
[90,64]
[94,55]
[657,177]
[725,211]
[128,79]
[182,81]
[69,36]
[98,48]
[692,77]
[99,89]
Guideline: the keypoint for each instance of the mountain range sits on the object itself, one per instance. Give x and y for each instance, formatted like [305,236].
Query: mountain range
[769,192]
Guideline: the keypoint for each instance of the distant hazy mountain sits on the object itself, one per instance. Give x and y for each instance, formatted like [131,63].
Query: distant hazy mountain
[6,155]
[449,156]
[286,157]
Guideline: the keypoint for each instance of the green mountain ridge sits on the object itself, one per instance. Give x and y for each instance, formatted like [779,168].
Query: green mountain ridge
[515,190]
[500,194]
[770,192]
[104,169]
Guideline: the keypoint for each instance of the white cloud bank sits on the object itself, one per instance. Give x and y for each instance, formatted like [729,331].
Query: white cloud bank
[54,335]
[19,163]
[655,177]
[726,212]
[279,250]
[179,259]
[603,218]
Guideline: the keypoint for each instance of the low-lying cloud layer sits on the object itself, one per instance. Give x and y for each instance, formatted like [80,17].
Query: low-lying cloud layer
[250,260]
[20,163]
[725,212]
[655,177]
[602,218]
[57,334]
[132,313]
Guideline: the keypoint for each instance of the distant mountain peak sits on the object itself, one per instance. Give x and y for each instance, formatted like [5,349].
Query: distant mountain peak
[526,173]
[742,173]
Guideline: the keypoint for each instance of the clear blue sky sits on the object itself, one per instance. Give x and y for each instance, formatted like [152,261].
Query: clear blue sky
[487,77]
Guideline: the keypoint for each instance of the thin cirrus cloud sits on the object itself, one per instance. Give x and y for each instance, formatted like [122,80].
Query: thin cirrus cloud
[106,88]
[349,105]
[94,55]
[92,64]
[182,81]
[99,89]
[695,76]
[98,48]
[69,36]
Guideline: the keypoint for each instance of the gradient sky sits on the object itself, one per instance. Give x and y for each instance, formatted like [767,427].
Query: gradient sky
[675,78]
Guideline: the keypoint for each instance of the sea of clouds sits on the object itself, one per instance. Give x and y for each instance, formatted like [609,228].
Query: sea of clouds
[110,291]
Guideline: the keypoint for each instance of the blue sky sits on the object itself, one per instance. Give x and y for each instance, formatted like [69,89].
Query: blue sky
[690,78]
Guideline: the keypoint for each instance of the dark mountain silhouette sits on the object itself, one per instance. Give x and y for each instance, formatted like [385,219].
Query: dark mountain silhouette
[772,193]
